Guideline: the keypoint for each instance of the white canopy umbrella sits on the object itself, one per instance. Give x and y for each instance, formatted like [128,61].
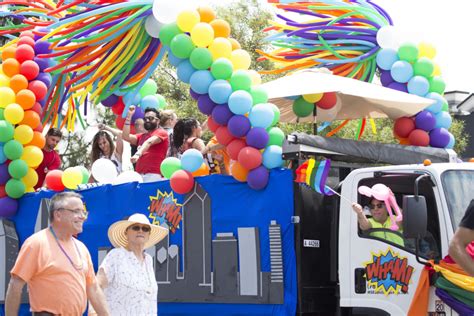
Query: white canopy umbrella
[358,99]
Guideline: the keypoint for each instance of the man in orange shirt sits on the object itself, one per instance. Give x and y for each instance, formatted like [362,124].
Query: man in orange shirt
[53,261]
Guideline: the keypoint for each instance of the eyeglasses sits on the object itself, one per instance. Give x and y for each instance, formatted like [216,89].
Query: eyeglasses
[378,205]
[145,229]
[75,211]
[149,118]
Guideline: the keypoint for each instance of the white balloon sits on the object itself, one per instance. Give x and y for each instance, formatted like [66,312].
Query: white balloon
[152,26]
[128,176]
[388,37]
[104,171]
[330,114]
[166,11]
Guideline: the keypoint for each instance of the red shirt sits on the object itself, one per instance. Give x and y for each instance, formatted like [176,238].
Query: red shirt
[51,161]
[150,160]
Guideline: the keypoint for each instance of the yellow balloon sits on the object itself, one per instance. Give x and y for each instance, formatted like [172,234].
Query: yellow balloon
[202,34]
[32,155]
[7,96]
[29,190]
[23,134]
[256,78]
[187,19]
[14,113]
[436,71]
[426,50]
[31,178]
[240,59]
[312,98]
[71,178]
[4,81]
[220,47]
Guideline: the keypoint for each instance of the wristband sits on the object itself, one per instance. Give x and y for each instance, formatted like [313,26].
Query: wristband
[126,124]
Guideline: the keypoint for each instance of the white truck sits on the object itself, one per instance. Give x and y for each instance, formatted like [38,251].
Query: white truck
[345,271]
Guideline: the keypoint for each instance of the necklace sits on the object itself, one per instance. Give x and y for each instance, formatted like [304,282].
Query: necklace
[77,267]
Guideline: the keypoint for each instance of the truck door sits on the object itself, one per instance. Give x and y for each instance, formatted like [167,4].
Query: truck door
[382,268]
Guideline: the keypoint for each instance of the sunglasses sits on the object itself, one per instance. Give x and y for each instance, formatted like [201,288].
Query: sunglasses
[149,118]
[378,205]
[145,229]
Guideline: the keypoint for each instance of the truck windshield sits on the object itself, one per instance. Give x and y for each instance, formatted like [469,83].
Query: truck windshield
[459,190]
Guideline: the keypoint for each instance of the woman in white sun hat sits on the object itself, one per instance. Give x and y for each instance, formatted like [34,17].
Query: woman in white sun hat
[127,274]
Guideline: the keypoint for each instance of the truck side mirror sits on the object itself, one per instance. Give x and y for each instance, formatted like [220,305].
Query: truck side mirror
[415,216]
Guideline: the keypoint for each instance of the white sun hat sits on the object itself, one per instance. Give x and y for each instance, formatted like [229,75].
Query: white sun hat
[117,231]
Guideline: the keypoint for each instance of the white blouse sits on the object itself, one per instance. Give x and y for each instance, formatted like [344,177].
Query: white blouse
[132,287]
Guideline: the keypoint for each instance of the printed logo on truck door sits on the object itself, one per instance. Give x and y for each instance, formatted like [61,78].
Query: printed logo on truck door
[164,208]
[388,273]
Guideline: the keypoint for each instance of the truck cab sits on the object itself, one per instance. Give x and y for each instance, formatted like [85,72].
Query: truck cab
[343,270]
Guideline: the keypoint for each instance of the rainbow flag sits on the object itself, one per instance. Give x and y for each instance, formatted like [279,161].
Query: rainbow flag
[314,174]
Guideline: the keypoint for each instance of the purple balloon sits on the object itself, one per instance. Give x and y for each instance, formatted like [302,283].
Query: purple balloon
[439,137]
[8,206]
[221,114]
[4,175]
[257,178]
[42,47]
[138,114]
[194,95]
[257,137]
[110,101]
[398,86]
[205,104]
[43,63]
[425,120]
[238,125]
[44,30]
[385,78]
[45,78]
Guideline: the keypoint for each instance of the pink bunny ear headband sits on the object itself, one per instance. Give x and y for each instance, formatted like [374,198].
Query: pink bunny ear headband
[383,193]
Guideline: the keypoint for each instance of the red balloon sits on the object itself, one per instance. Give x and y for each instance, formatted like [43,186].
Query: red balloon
[38,88]
[29,69]
[212,125]
[37,108]
[53,180]
[182,181]
[419,137]
[403,127]
[328,100]
[2,191]
[27,33]
[26,40]
[118,107]
[24,52]
[119,121]
[234,148]
[39,128]
[250,158]
[223,135]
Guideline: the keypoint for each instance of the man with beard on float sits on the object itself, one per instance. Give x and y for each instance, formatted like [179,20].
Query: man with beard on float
[152,145]
[51,159]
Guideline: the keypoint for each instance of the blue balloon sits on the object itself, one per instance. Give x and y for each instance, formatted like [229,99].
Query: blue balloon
[3,158]
[132,98]
[219,91]
[150,101]
[191,160]
[439,101]
[272,157]
[292,97]
[174,61]
[386,58]
[185,71]
[240,102]
[418,85]
[261,115]
[452,141]
[401,71]
[443,119]
[200,81]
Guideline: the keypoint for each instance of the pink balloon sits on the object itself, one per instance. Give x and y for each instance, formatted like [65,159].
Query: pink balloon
[250,158]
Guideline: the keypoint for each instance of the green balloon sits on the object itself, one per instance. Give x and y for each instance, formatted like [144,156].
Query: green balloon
[149,88]
[222,68]
[18,169]
[276,136]
[201,58]
[437,84]
[2,117]
[161,101]
[13,149]
[240,80]
[15,188]
[423,67]
[85,174]
[259,95]
[276,114]
[302,108]
[445,107]
[408,52]
[6,131]
[168,32]
[182,46]
[169,166]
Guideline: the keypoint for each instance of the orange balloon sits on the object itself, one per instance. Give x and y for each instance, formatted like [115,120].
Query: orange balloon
[202,171]
[8,52]
[221,28]
[11,67]
[26,99]
[235,44]
[206,13]
[31,118]
[238,172]
[18,82]
[38,140]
